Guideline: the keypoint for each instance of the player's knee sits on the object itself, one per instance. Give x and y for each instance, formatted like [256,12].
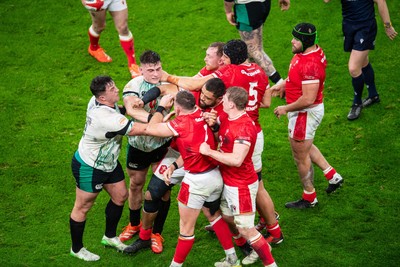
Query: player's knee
[166,196]
[122,29]
[99,27]
[147,195]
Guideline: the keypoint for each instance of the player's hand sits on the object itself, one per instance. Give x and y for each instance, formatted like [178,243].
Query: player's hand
[93,5]
[279,111]
[391,32]
[167,175]
[204,149]
[210,117]
[326,1]
[167,101]
[284,4]
[169,116]
[278,90]
[164,76]
[136,102]
[230,17]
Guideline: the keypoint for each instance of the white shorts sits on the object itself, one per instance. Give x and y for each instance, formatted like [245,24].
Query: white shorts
[200,187]
[240,203]
[258,149]
[169,158]
[303,124]
[115,5]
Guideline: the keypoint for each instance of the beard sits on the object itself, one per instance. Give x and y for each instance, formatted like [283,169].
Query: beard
[296,50]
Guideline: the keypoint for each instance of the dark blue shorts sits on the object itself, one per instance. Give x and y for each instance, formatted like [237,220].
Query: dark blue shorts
[252,15]
[359,36]
[90,179]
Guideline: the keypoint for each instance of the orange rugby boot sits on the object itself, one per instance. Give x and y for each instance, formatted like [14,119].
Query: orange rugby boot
[128,232]
[134,70]
[100,55]
[156,243]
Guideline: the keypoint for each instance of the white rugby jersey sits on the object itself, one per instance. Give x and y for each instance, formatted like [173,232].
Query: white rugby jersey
[138,87]
[95,148]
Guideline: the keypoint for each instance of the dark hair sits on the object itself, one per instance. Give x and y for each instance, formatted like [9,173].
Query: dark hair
[185,99]
[306,33]
[99,84]
[149,57]
[215,86]
[236,50]
[219,46]
[238,96]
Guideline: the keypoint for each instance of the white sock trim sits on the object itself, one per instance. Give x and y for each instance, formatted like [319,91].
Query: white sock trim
[126,38]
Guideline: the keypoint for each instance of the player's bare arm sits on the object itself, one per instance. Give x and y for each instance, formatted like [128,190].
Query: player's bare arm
[188,83]
[384,14]
[230,16]
[137,129]
[234,159]
[156,127]
[266,101]
[278,89]
[155,92]
[306,100]
[168,173]
[137,113]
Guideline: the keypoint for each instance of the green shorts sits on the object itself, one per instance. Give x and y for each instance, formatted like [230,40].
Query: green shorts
[252,15]
[92,180]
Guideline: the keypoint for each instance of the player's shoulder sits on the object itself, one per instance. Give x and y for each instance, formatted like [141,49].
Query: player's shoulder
[134,84]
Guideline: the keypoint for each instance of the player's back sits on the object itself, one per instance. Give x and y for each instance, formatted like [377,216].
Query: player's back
[192,131]
[249,76]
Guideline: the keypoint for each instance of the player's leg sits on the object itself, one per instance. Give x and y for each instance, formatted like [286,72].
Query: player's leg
[116,188]
[369,78]
[244,221]
[250,19]
[156,190]
[187,223]
[357,60]
[266,209]
[213,214]
[120,17]
[335,179]
[260,245]
[137,179]
[301,155]
[256,51]
[87,180]
[97,27]
[83,202]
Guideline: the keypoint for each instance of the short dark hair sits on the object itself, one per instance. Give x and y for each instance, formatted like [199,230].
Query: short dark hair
[99,84]
[236,50]
[149,57]
[219,46]
[185,99]
[238,96]
[215,86]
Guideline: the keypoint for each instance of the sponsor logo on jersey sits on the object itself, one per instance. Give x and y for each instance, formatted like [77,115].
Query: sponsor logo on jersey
[98,186]
[123,121]
[162,169]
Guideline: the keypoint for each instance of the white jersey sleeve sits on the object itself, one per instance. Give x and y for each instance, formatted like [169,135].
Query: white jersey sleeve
[100,144]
